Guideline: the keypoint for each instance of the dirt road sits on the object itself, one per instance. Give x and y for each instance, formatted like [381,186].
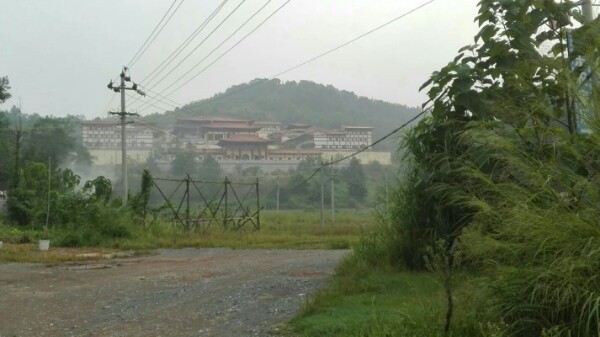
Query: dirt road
[187,292]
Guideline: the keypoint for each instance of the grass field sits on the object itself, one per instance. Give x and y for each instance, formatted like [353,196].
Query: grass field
[288,230]
[279,230]
[361,301]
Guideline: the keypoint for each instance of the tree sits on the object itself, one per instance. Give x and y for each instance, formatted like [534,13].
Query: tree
[6,151]
[83,161]
[51,138]
[151,165]
[4,87]
[99,188]
[354,178]
[184,163]
[27,201]
[306,165]
[140,202]
[488,82]
[5,136]
[209,169]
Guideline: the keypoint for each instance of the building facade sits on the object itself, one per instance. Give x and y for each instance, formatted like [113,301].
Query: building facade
[346,138]
[211,130]
[102,138]
[228,140]
[106,134]
[267,128]
[244,147]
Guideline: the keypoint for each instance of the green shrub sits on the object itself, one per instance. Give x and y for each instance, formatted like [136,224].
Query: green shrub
[70,239]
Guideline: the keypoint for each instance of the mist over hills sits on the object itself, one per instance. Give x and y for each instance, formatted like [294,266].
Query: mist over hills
[301,102]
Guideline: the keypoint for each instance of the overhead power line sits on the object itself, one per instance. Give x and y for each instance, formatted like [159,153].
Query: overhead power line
[232,92]
[353,40]
[323,165]
[161,67]
[177,105]
[201,42]
[379,140]
[225,41]
[153,36]
[157,100]
[173,56]
[230,49]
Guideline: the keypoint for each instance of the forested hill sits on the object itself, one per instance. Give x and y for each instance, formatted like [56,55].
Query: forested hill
[287,102]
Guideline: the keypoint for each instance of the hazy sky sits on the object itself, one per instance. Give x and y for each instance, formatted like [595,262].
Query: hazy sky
[59,55]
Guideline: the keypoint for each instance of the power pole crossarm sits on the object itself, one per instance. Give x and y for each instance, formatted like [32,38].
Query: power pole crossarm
[123,115]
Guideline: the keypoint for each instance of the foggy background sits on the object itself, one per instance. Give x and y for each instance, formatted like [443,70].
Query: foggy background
[59,55]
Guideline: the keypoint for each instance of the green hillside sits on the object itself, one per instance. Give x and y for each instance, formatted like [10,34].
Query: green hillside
[287,102]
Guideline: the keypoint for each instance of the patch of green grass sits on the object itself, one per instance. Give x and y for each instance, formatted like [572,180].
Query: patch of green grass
[361,301]
[285,230]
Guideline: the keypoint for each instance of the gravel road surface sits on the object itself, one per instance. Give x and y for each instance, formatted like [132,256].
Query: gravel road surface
[185,292]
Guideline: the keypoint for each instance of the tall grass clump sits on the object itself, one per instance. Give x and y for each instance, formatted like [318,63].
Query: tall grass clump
[536,232]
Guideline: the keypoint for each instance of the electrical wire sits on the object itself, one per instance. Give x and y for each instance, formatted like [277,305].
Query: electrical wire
[379,140]
[324,164]
[232,92]
[147,44]
[153,103]
[354,39]
[201,42]
[225,41]
[142,106]
[152,33]
[183,45]
[114,94]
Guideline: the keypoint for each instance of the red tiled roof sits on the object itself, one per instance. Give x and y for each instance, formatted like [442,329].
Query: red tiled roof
[101,122]
[356,127]
[267,123]
[298,126]
[295,151]
[244,138]
[233,126]
[214,119]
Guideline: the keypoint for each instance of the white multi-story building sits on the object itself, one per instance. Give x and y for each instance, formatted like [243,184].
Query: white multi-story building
[267,128]
[102,138]
[103,134]
[347,138]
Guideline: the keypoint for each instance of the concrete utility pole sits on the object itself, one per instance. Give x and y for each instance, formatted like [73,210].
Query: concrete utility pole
[18,142]
[588,10]
[322,194]
[277,193]
[332,195]
[387,202]
[123,114]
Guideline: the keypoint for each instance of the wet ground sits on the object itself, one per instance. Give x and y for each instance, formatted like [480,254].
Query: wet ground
[186,292]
